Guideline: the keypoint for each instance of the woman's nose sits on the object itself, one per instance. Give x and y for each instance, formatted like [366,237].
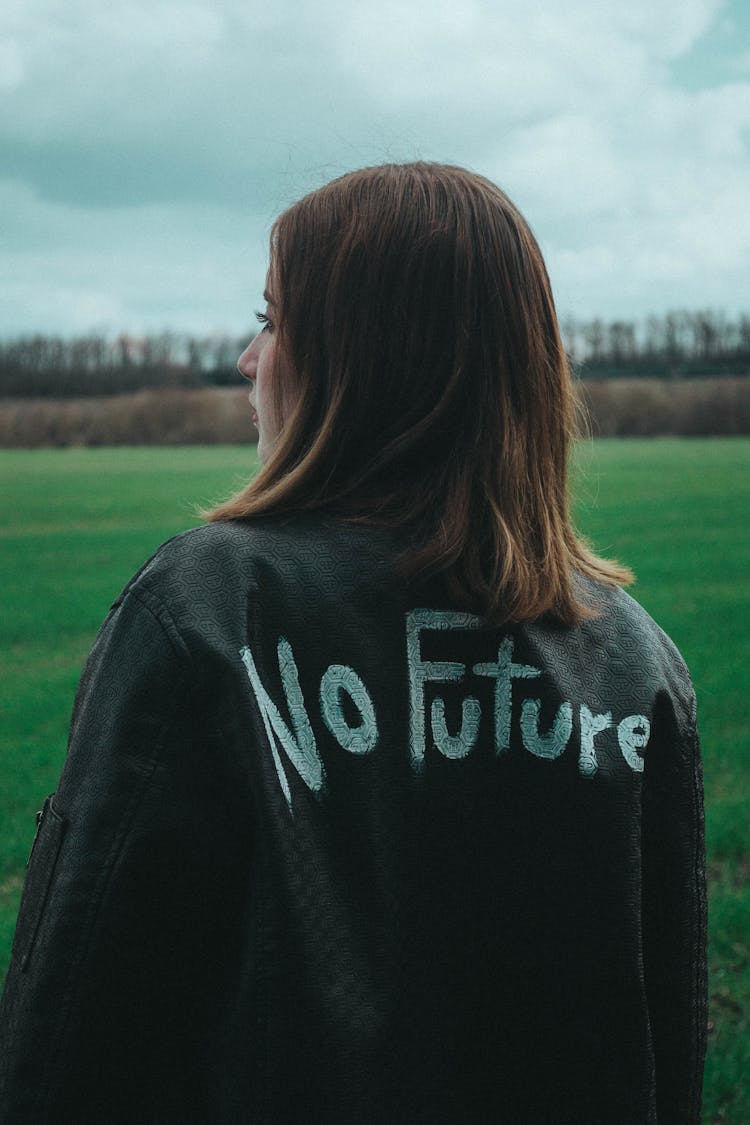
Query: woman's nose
[248,361]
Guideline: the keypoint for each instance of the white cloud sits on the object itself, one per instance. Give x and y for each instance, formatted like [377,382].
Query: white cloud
[149,145]
[12,71]
[671,28]
[129,268]
[567,164]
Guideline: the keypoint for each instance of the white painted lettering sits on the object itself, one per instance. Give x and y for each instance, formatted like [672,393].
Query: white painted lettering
[338,679]
[551,744]
[420,671]
[633,734]
[300,746]
[460,744]
[591,725]
[503,672]
[295,737]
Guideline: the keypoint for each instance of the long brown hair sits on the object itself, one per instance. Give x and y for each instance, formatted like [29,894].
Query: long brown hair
[418,346]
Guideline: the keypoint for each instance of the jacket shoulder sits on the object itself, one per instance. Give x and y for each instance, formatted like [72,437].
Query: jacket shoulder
[626,631]
[276,541]
[194,555]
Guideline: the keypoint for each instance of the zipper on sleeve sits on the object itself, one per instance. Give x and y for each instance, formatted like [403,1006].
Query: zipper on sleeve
[40,816]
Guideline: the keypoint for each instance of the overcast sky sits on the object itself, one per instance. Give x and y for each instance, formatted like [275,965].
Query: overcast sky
[147,146]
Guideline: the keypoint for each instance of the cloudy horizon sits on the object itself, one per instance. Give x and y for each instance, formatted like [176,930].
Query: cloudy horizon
[147,149]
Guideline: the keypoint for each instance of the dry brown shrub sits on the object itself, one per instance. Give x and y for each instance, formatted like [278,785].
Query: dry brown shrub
[209,416]
[213,415]
[658,407]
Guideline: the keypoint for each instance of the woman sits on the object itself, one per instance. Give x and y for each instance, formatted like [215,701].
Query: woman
[382,801]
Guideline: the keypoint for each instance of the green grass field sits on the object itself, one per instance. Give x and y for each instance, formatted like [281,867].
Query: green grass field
[75,524]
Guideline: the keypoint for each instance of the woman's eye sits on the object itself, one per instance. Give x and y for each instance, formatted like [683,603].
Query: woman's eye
[265,321]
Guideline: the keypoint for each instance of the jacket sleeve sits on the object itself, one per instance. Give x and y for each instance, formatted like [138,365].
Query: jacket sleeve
[113,918]
[674,908]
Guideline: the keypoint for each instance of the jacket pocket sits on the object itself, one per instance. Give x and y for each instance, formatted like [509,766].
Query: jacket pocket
[41,868]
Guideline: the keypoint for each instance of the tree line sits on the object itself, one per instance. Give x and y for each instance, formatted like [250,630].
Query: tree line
[679,343]
[97,365]
[702,342]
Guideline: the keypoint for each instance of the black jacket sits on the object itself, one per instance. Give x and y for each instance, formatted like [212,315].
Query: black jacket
[325,850]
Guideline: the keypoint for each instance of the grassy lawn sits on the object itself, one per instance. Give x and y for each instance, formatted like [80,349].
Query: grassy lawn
[75,524]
